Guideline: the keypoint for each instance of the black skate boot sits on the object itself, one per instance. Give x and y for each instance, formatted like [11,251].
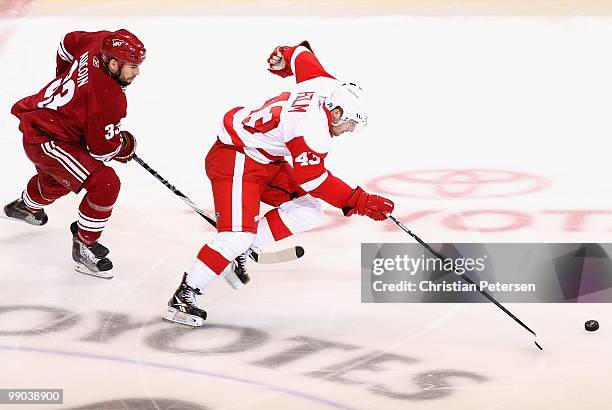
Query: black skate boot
[235,274]
[183,308]
[17,210]
[88,262]
[98,249]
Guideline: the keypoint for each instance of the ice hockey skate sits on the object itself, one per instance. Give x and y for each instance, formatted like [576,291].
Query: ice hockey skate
[235,274]
[90,260]
[183,308]
[98,249]
[17,211]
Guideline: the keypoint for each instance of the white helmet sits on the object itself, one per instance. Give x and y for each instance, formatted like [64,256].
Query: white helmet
[350,98]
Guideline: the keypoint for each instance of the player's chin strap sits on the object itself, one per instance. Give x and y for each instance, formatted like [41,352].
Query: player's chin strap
[284,255]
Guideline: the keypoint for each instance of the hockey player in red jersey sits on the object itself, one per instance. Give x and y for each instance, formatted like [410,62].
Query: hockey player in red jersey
[246,166]
[71,128]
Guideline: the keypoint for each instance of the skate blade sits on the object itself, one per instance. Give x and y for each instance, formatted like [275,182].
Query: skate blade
[5,216]
[232,279]
[176,316]
[107,274]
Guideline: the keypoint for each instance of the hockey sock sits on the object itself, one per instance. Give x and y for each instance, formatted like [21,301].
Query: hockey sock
[215,256]
[213,259]
[295,216]
[96,207]
[199,275]
[33,197]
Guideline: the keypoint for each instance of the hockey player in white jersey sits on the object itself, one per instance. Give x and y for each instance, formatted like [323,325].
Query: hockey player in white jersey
[246,166]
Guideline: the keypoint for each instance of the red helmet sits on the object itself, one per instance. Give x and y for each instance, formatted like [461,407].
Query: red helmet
[124,47]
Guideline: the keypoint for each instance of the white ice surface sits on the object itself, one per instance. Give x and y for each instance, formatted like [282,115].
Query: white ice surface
[527,96]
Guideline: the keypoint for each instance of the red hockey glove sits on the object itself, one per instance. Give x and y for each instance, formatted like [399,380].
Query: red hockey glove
[372,206]
[128,147]
[277,63]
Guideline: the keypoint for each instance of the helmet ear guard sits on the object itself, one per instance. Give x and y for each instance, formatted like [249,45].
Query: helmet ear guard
[350,98]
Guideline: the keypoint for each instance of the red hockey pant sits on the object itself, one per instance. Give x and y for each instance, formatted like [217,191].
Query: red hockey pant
[63,167]
[240,183]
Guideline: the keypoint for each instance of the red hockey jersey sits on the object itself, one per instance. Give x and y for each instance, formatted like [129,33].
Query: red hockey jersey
[83,104]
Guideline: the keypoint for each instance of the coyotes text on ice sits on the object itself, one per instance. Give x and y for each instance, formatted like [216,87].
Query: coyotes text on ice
[352,365]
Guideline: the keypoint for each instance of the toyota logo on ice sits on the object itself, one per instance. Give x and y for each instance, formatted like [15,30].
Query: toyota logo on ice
[459,183]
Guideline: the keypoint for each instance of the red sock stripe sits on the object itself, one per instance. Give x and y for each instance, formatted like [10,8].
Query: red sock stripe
[277,227]
[213,259]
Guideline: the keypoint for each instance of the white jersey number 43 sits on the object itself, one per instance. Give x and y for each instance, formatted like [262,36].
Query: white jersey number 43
[304,159]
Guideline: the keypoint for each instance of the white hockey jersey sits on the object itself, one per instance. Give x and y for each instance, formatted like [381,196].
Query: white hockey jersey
[295,123]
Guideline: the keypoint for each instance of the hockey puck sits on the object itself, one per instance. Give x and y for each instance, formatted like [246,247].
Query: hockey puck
[591,325]
[299,251]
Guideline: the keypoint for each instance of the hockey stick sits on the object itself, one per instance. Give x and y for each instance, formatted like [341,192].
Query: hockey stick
[466,278]
[284,255]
